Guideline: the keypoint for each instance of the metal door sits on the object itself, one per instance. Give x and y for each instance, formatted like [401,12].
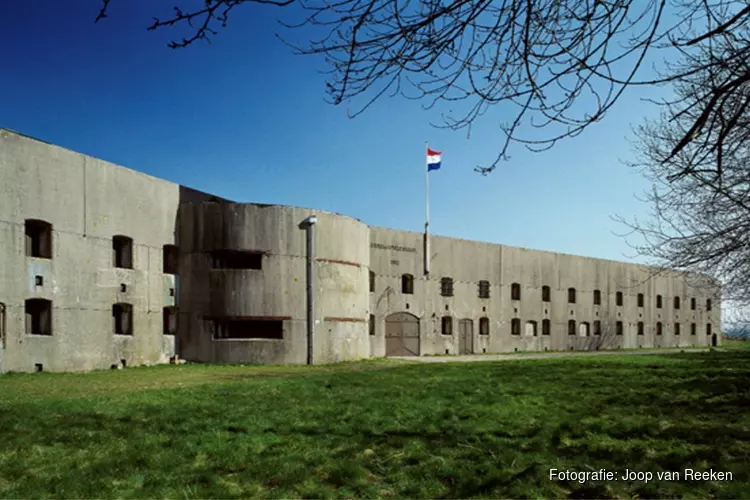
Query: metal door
[401,335]
[466,336]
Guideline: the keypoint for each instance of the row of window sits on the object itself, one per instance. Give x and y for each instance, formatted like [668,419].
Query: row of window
[39,322]
[446,290]
[39,318]
[39,245]
[447,325]
[584,328]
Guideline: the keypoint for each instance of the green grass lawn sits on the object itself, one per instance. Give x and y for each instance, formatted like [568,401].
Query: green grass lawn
[380,429]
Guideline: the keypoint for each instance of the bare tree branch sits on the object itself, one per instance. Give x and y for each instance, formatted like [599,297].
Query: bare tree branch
[553,68]
[556,66]
[700,198]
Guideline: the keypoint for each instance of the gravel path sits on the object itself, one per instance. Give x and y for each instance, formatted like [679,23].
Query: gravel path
[541,355]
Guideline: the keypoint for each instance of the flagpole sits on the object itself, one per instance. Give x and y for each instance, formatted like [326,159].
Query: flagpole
[426,212]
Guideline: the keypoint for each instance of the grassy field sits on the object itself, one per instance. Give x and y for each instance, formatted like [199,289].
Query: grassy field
[380,429]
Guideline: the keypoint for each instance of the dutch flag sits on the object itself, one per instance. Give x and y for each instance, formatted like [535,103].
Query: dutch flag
[433,159]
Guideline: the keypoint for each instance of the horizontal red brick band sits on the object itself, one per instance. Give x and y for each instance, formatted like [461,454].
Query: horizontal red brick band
[334,261]
[235,251]
[248,318]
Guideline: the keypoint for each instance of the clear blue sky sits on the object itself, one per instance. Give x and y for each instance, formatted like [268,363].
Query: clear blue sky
[245,119]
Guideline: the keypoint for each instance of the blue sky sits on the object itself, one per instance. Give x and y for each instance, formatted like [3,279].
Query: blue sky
[246,119]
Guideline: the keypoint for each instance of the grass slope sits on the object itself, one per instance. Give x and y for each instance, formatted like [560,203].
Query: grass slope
[380,429]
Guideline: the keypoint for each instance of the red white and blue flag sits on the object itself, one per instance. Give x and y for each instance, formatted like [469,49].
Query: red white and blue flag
[433,159]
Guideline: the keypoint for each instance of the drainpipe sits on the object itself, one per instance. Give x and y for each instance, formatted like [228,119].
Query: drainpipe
[309,226]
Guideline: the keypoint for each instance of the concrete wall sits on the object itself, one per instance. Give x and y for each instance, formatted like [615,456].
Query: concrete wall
[394,253]
[278,289]
[87,201]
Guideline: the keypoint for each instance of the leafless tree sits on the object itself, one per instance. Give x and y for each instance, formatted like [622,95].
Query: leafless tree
[697,155]
[601,334]
[553,67]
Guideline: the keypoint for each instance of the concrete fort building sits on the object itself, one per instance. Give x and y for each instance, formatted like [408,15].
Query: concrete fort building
[103,265]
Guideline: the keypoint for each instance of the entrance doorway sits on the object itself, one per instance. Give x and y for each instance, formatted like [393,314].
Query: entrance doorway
[714,340]
[583,329]
[401,334]
[466,336]
[530,329]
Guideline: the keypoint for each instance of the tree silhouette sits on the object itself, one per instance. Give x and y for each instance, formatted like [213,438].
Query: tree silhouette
[696,155]
[554,67]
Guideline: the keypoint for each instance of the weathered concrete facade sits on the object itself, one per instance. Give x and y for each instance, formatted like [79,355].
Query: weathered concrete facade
[100,264]
[271,290]
[561,302]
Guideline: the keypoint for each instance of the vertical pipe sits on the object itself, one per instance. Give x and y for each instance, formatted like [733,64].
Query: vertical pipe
[310,291]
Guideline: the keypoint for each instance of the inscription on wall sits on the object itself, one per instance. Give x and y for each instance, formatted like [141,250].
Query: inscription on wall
[392,247]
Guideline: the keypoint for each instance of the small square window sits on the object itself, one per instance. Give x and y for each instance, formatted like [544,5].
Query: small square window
[39,280]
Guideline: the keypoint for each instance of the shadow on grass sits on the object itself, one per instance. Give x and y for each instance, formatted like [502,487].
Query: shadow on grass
[416,431]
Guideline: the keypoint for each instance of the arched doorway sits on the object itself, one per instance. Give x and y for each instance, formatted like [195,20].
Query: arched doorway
[401,334]
[714,340]
[466,336]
